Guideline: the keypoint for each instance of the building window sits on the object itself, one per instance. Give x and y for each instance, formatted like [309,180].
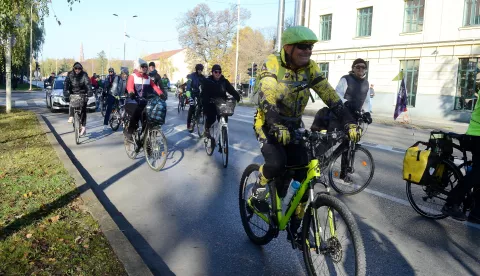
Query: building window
[325,27]
[471,14]
[468,84]
[413,18]
[323,70]
[364,21]
[410,73]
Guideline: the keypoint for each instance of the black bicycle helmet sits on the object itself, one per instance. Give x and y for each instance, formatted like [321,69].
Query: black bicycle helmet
[111,70]
[199,67]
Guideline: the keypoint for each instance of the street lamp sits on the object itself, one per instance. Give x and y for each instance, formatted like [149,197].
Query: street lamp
[124,34]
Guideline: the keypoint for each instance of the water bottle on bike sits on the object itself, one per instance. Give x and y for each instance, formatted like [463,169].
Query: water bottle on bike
[292,190]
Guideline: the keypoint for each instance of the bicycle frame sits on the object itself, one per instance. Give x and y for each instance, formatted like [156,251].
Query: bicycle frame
[282,220]
[217,130]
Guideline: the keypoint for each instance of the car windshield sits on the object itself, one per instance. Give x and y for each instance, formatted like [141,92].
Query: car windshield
[58,85]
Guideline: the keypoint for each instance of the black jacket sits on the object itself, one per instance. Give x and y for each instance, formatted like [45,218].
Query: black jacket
[77,84]
[155,77]
[212,89]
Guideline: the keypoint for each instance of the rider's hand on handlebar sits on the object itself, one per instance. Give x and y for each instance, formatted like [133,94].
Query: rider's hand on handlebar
[132,95]
[367,117]
[163,97]
[354,132]
[282,134]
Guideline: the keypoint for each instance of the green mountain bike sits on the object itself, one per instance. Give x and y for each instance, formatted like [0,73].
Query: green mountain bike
[330,238]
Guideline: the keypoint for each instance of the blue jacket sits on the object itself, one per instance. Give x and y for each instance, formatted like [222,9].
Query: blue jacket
[193,82]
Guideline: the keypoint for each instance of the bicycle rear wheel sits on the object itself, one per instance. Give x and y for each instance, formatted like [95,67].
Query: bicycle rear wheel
[224,146]
[201,125]
[131,147]
[428,200]
[76,126]
[102,106]
[209,145]
[155,148]
[353,179]
[115,120]
[258,231]
[341,250]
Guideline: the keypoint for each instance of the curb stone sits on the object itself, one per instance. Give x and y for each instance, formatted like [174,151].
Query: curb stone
[126,253]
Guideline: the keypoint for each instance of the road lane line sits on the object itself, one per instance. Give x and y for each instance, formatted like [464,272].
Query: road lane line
[241,120]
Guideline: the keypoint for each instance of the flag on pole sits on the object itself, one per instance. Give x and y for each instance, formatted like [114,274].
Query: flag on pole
[402,100]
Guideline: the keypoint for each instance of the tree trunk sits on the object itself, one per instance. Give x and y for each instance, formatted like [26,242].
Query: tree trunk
[8,69]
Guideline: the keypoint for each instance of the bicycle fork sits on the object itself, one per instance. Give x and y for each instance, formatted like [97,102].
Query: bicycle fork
[317,229]
[351,157]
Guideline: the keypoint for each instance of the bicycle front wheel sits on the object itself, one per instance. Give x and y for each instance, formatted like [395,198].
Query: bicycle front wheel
[331,240]
[352,177]
[428,200]
[155,148]
[76,126]
[224,146]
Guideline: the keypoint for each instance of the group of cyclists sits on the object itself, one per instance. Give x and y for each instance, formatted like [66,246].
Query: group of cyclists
[280,108]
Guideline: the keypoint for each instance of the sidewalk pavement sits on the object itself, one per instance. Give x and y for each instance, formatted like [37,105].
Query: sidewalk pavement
[386,119]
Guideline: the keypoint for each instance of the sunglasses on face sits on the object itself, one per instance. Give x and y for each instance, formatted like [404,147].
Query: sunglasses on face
[217,72]
[305,46]
[144,66]
[77,68]
[360,67]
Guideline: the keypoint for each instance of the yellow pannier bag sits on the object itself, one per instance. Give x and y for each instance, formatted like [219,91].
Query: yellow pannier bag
[414,164]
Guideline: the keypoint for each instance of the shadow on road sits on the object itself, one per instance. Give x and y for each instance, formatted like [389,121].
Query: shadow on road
[463,251]
[155,262]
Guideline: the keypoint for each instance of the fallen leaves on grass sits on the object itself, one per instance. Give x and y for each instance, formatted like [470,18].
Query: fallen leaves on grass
[54,218]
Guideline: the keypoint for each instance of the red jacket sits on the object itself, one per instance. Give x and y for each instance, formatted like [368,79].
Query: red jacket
[141,85]
[94,81]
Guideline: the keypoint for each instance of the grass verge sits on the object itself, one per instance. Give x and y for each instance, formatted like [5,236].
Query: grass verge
[45,228]
[22,87]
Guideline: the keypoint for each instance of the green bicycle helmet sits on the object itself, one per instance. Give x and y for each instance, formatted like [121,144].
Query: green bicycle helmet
[298,34]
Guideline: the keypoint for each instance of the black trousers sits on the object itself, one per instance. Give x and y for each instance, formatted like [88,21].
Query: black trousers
[210,111]
[192,108]
[471,180]
[135,111]
[278,156]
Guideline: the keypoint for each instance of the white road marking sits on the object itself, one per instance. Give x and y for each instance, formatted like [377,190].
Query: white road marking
[20,103]
[39,102]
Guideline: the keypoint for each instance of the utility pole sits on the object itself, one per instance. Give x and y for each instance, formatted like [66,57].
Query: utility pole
[31,52]
[8,69]
[299,14]
[281,14]
[238,32]
[124,35]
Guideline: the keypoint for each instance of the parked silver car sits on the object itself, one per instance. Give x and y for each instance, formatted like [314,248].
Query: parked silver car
[56,101]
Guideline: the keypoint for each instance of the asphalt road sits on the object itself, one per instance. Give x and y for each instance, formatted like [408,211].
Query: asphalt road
[184,220]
